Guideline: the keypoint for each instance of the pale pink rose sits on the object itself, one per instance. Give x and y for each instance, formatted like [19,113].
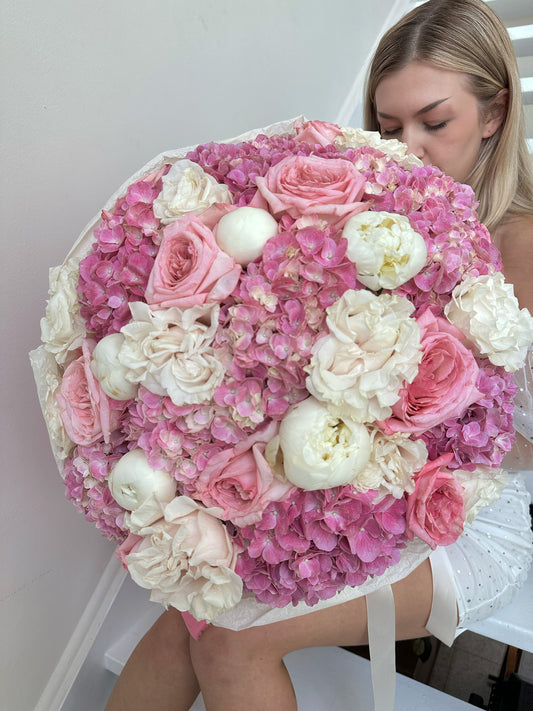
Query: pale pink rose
[316,132]
[435,510]
[129,545]
[190,269]
[445,384]
[86,411]
[240,481]
[187,559]
[309,185]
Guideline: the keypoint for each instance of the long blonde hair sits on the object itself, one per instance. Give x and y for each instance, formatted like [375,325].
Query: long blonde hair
[468,37]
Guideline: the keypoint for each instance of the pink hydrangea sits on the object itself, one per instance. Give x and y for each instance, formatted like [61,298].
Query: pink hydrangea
[117,270]
[86,472]
[485,433]
[313,545]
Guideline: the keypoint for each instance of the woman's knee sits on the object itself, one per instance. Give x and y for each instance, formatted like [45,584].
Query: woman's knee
[225,653]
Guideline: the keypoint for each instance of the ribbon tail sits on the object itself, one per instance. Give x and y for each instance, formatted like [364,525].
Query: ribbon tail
[442,622]
[382,644]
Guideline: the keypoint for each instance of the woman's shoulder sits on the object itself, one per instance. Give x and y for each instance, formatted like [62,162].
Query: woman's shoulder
[514,239]
[514,230]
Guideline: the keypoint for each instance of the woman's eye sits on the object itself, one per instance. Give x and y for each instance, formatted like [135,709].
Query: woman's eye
[436,126]
[389,131]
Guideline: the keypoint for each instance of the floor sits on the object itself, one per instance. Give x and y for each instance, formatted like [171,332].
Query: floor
[466,669]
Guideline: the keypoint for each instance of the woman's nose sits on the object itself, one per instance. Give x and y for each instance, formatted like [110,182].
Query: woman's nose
[414,143]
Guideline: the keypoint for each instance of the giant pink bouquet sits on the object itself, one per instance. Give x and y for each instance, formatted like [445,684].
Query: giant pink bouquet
[271,363]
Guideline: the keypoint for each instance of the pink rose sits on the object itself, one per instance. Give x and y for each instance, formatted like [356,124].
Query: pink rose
[86,411]
[435,510]
[240,481]
[308,185]
[316,132]
[445,384]
[190,269]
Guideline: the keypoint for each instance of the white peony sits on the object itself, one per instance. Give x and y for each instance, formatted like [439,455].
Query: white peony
[372,349]
[133,481]
[320,450]
[481,488]
[62,327]
[170,352]
[357,138]
[486,310]
[187,188]
[242,233]
[385,249]
[394,460]
[113,376]
[188,560]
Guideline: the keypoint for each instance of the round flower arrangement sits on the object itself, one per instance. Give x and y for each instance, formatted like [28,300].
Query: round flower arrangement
[273,362]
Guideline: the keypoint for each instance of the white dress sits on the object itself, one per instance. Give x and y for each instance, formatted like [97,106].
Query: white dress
[489,562]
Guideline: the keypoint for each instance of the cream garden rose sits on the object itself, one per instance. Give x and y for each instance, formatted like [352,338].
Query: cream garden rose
[481,488]
[320,450]
[357,138]
[486,310]
[393,461]
[187,560]
[63,328]
[372,348]
[187,188]
[170,352]
[385,249]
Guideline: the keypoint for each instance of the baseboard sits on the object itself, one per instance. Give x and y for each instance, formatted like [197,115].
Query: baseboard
[82,638]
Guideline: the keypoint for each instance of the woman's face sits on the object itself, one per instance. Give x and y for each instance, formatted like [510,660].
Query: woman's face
[433,111]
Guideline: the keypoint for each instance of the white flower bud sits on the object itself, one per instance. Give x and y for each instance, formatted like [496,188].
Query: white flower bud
[113,376]
[242,233]
[133,481]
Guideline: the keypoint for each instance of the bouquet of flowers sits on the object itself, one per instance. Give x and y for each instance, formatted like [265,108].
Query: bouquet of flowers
[274,361]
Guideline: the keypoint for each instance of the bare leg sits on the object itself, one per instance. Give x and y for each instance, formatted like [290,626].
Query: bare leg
[244,671]
[158,675]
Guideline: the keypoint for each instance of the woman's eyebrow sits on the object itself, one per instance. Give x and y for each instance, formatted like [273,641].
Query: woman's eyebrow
[423,110]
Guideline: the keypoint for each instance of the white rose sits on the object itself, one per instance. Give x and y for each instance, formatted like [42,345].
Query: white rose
[188,559]
[394,459]
[187,188]
[385,248]
[169,351]
[372,349]
[357,137]
[486,310]
[113,376]
[320,450]
[242,233]
[132,481]
[62,327]
[482,487]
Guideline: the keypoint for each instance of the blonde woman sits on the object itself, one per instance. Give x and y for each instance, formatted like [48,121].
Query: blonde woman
[444,80]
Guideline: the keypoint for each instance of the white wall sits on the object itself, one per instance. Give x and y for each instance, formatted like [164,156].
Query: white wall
[90,91]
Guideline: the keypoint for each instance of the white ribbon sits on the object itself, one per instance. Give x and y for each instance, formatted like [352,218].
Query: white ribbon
[442,622]
[382,643]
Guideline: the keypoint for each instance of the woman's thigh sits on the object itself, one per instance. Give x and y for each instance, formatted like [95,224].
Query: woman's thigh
[339,625]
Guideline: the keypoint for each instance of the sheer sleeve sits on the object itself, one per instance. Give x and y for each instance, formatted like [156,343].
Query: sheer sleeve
[521,456]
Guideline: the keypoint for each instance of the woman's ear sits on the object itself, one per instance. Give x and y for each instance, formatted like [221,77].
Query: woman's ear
[496,113]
